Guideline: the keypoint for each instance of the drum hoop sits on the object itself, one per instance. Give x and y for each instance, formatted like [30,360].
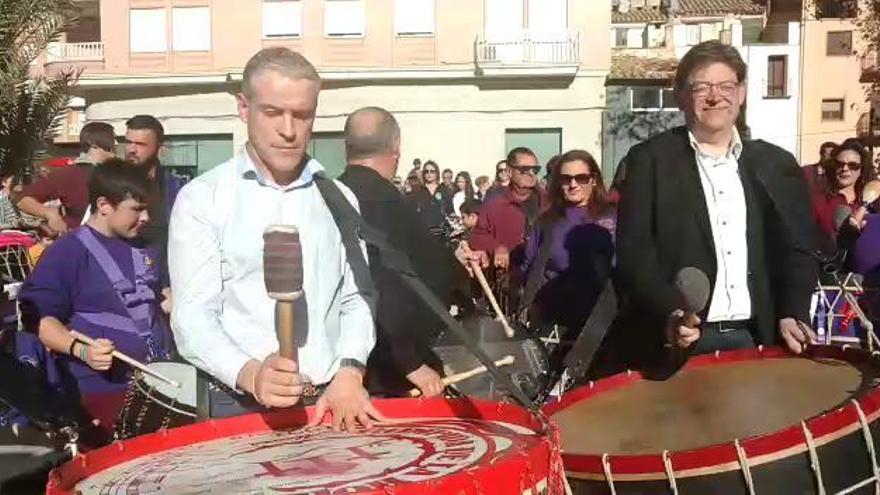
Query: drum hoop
[719,458]
[536,460]
[157,400]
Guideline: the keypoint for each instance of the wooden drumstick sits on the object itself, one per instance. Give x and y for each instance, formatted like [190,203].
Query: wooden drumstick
[508,330]
[134,363]
[283,275]
[464,375]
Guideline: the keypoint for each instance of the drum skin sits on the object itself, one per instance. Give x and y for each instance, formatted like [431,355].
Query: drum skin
[504,451]
[637,453]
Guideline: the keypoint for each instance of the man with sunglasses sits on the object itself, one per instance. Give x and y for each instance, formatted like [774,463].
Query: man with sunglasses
[69,185]
[505,218]
[738,210]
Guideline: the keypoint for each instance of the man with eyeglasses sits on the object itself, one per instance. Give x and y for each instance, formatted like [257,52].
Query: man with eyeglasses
[506,217]
[701,196]
[69,185]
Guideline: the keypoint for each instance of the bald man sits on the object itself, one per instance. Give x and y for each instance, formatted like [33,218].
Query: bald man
[402,357]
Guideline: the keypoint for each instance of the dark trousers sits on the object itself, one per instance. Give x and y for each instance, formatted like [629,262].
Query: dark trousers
[725,336]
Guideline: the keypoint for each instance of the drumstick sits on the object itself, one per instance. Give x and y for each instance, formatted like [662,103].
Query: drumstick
[283,276]
[126,359]
[508,330]
[464,375]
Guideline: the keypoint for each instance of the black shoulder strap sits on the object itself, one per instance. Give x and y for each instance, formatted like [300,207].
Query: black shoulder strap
[352,225]
[536,271]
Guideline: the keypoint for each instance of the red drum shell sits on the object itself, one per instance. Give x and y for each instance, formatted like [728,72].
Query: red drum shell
[775,459]
[524,468]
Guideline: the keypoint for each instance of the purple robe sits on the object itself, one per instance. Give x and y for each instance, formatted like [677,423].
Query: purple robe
[71,283]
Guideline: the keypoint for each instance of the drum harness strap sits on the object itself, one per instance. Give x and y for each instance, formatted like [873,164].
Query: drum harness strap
[352,227]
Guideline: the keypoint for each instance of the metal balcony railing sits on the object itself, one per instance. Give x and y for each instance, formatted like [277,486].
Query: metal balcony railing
[62,52]
[527,49]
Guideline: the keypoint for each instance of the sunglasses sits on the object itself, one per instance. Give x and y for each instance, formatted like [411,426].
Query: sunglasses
[500,170]
[429,171]
[525,169]
[566,179]
[853,166]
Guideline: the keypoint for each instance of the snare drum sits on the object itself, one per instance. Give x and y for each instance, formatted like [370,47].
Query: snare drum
[444,446]
[151,404]
[749,421]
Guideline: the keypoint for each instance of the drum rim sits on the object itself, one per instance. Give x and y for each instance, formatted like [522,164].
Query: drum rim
[718,458]
[536,461]
[158,399]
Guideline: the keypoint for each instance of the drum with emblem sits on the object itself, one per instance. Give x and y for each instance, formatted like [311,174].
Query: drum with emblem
[740,422]
[430,446]
[151,404]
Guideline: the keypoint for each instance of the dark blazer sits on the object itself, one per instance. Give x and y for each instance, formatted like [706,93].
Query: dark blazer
[405,327]
[663,226]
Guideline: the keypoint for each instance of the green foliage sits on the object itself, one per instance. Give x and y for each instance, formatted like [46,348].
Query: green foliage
[31,106]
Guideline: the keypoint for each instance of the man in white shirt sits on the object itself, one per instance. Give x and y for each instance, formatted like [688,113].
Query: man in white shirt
[223,318]
[738,210]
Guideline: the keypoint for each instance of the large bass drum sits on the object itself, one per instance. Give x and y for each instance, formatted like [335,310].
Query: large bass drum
[436,446]
[740,422]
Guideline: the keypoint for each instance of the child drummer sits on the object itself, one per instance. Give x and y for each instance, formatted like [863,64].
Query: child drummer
[101,281]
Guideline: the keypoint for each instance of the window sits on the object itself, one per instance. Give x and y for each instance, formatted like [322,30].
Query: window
[777,76]
[329,149]
[414,17]
[832,109]
[191,29]
[147,32]
[344,17]
[548,20]
[282,18]
[839,43]
[652,99]
[630,37]
[619,37]
[546,143]
[201,152]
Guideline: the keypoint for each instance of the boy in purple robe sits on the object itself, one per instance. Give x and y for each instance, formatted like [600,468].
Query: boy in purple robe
[103,282]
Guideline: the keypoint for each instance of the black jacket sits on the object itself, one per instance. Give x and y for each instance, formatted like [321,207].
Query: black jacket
[663,226]
[405,327]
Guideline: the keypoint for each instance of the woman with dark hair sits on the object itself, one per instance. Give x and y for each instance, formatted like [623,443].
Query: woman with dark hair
[570,250]
[464,191]
[430,200]
[848,171]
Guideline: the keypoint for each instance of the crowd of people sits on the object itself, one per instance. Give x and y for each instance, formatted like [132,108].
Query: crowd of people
[551,236]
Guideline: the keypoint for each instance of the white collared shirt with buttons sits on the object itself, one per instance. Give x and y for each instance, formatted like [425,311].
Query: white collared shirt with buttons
[726,204]
[222,315]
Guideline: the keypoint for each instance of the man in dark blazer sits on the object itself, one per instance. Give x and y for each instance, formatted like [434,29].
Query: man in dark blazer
[402,357]
[700,196]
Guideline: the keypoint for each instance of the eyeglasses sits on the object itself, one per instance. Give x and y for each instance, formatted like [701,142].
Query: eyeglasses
[853,166]
[429,171]
[703,89]
[526,169]
[501,170]
[565,179]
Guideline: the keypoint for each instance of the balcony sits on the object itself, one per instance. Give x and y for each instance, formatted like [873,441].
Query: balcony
[541,53]
[86,56]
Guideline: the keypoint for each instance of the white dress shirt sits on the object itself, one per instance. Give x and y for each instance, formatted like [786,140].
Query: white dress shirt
[726,203]
[222,315]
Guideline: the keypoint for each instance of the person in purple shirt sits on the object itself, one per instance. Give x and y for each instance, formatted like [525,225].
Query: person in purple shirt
[570,250]
[102,282]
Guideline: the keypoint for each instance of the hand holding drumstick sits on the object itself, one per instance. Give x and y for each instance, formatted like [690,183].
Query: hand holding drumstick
[97,346]
[464,375]
[484,284]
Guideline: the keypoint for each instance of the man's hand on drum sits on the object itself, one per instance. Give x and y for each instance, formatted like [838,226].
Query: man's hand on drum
[682,329]
[347,401]
[796,335]
[99,356]
[427,380]
[275,382]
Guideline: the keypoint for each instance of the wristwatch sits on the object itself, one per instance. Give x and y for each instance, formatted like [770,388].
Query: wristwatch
[352,363]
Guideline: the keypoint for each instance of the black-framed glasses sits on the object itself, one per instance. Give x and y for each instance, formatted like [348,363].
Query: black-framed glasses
[582,179]
[525,169]
[853,166]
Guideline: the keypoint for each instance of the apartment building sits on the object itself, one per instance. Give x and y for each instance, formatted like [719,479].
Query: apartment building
[467,79]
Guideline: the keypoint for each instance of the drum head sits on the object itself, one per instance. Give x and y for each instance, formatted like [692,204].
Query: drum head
[710,404]
[182,373]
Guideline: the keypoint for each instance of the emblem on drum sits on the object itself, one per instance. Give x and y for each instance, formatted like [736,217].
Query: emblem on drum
[317,460]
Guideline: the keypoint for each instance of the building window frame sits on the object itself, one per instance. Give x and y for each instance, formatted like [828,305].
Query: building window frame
[350,34]
[405,32]
[665,99]
[776,89]
[155,38]
[297,33]
[845,49]
[174,31]
[833,115]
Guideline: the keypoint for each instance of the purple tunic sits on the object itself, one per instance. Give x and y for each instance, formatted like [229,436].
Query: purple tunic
[71,283]
[866,253]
